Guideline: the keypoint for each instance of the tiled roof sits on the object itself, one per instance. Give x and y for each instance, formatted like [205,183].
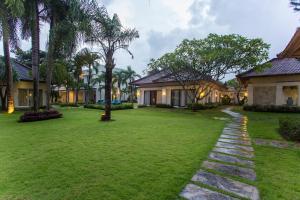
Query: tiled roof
[23,71]
[162,77]
[152,78]
[285,66]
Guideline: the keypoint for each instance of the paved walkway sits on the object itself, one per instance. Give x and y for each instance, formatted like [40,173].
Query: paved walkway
[229,166]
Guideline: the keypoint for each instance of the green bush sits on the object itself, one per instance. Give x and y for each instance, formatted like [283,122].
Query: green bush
[163,106]
[199,106]
[69,105]
[123,106]
[226,100]
[289,128]
[272,108]
[142,106]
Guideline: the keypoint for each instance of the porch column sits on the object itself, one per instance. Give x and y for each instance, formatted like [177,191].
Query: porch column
[168,96]
[164,96]
[279,95]
[250,94]
[298,95]
[140,94]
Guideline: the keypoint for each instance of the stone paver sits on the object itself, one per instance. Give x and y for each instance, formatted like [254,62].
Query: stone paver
[242,172]
[232,141]
[235,152]
[194,192]
[226,184]
[230,159]
[234,146]
[237,137]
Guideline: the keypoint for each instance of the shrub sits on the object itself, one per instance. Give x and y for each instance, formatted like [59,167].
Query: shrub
[199,106]
[163,106]
[272,108]
[69,105]
[123,106]
[39,116]
[226,100]
[289,128]
[142,106]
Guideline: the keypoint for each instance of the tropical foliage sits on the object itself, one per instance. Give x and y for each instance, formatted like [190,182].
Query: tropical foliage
[111,36]
[195,64]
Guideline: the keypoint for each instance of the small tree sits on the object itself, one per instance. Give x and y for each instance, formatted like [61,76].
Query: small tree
[111,36]
[197,64]
[238,87]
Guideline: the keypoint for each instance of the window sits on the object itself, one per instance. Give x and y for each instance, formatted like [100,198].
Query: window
[22,97]
[25,97]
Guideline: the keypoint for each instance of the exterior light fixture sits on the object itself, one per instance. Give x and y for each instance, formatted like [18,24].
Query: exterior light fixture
[164,93]
[138,93]
[10,107]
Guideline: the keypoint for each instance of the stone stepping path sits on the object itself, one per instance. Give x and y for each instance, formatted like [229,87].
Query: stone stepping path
[235,152]
[231,170]
[234,146]
[231,141]
[231,157]
[226,184]
[195,192]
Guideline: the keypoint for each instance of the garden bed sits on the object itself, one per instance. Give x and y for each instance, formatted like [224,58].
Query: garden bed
[40,116]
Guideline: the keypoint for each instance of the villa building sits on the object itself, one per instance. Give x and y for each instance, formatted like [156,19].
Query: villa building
[23,88]
[278,84]
[159,88]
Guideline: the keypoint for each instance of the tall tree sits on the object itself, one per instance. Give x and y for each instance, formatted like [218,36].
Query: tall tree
[296,5]
[111,36]
[8,32]
[77,64]
[131,75]
[119,78]
[196,64]
[31,28]
[90,60]
[3,83]
[68,21]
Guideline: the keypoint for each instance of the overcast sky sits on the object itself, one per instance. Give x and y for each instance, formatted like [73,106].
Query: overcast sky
[163,24]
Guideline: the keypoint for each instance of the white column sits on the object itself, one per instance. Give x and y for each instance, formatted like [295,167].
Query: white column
[164,96]
[279,95]
[168,96]
[250,94]
[298,95]
[140,93]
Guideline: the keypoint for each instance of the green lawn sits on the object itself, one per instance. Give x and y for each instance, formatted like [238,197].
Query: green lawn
[277,169]
[143,154]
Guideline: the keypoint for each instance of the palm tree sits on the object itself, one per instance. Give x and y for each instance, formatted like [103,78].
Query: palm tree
[68,22]
[89,59]
[8,24]
[100,81]
[111,36]
[119,78]
[77,64]
[31,28]
[131,75]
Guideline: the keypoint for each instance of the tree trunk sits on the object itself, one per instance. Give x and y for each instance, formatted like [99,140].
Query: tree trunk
[50,62]
[108,86]
[9,72]
[35,40]
[3,99]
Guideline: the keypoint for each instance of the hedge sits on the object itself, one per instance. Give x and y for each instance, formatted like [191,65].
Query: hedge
[289,128]
[69,105]
[39,116]
[123,106]
[199,106]
[272,108]
[163,106]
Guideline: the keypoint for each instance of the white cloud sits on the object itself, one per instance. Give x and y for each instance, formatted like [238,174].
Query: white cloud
[163,24]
